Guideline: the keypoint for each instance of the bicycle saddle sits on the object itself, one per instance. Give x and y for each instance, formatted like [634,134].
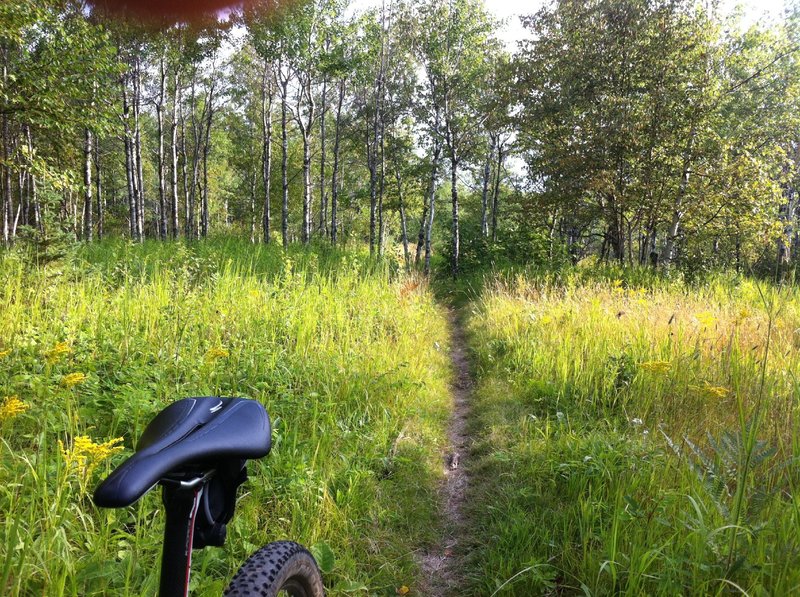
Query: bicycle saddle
[193,434]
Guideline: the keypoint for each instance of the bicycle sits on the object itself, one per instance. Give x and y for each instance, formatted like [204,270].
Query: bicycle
[197,449]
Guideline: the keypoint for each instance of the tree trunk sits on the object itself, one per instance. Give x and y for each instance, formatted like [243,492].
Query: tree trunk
[487,173]
[616,232]
[284,164]
[305,129]
[496,192]
[403,227]
[253,207]
[22,204]
[88,224]
[668,251]
[323,197]
[101,212]
[162,183]
[204,194]
[306,230]
[381,192]
[456,231]
[375,236]
[335,175]
[422,226]
[130,164]
[24,198]
[137,146]
[373,191]
[786,217]
[37,209]
[176,100]
[266,118]
[192,218]
[677,213]
[437,150]
[187,222]
[209,113]
[5,185]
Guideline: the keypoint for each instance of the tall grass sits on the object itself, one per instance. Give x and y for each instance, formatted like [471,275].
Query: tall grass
[351,366]
[636,440]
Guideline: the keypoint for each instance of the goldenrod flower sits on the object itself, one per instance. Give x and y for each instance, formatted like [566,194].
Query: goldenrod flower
[84,455]
[73,379]
[710,391]
[216,353]
[11,407]
[656,366]
[5,353]
[743,314]
[706,319]
[59,350]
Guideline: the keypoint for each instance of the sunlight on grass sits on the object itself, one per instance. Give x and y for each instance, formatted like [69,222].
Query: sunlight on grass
[635,440]
[350,363]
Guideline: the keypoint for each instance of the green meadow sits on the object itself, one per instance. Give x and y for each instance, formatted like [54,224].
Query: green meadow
[349,359]
[635,436]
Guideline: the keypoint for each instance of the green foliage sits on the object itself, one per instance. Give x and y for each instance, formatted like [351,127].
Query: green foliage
[645,120]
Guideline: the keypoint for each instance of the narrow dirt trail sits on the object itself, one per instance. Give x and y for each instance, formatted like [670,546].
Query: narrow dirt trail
[441,565]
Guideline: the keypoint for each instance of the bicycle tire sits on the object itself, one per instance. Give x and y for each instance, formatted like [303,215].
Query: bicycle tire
[279,566]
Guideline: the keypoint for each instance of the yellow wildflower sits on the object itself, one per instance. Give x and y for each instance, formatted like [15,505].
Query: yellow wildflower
[743,314]
[706,319]
[59,350]
[656,366]
[5,353]
[11,407]
[710,391]
[216,353]
[73,379]
[84,455]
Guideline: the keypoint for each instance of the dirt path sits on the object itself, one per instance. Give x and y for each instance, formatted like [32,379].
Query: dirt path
[441,565]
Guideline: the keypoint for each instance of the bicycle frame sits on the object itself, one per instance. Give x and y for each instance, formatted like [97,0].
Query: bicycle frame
[181,503]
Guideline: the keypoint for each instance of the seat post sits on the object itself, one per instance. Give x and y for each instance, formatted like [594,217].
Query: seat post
[180,504]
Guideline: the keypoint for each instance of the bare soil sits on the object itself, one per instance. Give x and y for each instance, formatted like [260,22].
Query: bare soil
[441,564]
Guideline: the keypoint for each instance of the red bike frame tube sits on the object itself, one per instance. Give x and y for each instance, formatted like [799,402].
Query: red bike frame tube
[181,507]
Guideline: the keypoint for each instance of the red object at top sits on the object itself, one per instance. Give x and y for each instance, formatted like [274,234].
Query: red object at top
[170,9]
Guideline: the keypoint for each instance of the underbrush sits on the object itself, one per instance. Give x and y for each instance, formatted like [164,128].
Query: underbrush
[351,366]
[635,439]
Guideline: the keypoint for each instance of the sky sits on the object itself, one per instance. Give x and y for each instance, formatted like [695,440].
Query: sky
[508,10]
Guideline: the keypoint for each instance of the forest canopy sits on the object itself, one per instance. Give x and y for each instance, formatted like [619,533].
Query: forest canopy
[649,132]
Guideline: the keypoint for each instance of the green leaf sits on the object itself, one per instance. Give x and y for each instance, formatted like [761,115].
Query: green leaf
[350,586]
[323,554]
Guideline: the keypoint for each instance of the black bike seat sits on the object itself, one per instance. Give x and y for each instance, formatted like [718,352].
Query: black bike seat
[193,433]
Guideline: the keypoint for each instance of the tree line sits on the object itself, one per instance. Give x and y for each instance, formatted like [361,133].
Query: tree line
[654,132]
